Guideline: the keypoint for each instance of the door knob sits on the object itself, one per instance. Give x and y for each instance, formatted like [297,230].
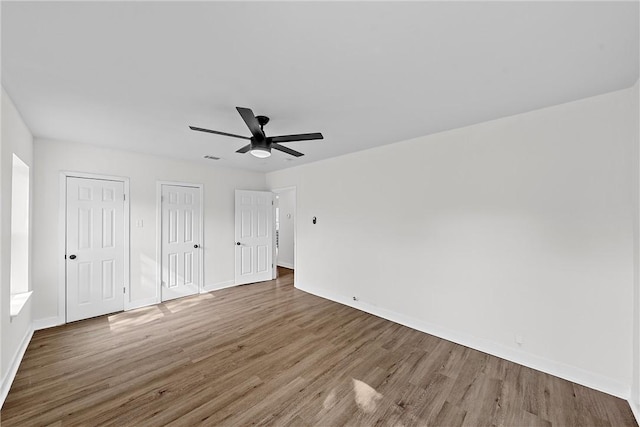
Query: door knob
[238,243]
[72,257]
[196,246]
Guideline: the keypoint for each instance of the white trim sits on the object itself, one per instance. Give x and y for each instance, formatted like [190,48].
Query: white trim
[159,184]
[62,248]
[283,189]
[48,322]
[62,238]
[218,286]
[274,252]
[295,228]
[127,245]
[285,265]
[635,408]
[559,369]
[158,242]
[17,303]
[13,367]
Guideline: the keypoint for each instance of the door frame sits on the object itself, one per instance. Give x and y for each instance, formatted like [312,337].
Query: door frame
[200,187]
[276,191]
[62,238]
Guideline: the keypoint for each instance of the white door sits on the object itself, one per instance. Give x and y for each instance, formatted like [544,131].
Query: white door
[95,247]
[254,236]
[181,251]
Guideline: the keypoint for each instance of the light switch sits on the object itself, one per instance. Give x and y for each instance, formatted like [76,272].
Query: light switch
[139,223]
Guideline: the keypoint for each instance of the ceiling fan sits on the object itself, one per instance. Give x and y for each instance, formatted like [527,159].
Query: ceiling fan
[261,144]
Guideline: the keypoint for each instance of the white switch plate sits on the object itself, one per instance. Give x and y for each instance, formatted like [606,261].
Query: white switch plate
[139,223]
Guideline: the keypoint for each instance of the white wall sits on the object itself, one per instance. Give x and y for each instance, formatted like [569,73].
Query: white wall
[16,138]
[521,225]
[51,157]
[287,206]
[635,390]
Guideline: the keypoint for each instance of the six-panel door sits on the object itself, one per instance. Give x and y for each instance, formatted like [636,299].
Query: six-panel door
[181,216]
[94,247]
[254,234]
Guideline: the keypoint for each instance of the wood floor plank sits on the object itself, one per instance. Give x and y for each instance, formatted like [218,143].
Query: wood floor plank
[270,354]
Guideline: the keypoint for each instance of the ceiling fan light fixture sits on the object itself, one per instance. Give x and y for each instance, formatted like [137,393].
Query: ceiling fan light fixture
[260,152]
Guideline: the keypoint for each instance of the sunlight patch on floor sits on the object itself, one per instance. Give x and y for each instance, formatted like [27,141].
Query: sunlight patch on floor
[122,321]
[330,400]
[366,396]
[180,304]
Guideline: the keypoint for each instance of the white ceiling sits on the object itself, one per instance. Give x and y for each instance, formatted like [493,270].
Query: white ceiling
[134,75]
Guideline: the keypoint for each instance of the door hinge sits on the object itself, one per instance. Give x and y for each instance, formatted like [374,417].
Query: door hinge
[124,290]
[124,197]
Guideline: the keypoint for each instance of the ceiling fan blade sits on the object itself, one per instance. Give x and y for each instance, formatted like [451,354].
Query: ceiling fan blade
[299,137]
[251,121]
[286,150]
[244,149]
[218,132]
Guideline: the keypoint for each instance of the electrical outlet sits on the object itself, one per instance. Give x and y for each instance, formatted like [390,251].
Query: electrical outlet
[355,298]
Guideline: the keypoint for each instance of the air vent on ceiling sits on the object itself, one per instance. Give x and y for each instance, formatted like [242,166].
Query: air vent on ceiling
[212,157]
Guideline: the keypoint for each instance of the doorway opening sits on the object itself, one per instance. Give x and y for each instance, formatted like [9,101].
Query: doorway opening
[285,227]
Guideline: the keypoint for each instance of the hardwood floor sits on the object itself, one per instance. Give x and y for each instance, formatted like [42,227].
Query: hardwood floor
[270,354]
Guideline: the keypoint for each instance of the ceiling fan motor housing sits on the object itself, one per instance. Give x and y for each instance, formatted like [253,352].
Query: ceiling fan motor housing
[260,145]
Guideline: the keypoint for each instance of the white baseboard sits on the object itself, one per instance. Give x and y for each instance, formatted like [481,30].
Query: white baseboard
[219,285]
[558,369]
[48,322]
[285,264]
[635,408]
[13,367]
